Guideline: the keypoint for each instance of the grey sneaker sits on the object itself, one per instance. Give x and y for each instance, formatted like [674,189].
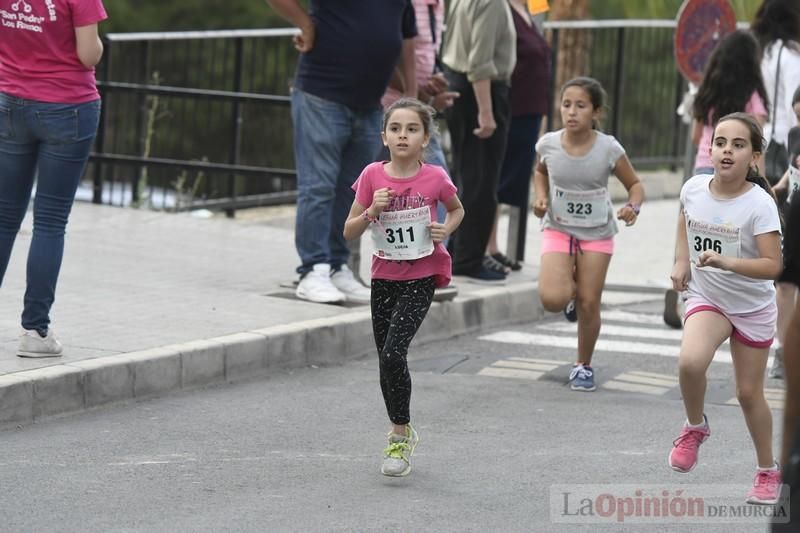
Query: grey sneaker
[776,371]
[397,455]
[31,344]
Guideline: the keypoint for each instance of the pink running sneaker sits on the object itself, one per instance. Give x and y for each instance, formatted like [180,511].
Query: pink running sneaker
[766,487]
[683,456]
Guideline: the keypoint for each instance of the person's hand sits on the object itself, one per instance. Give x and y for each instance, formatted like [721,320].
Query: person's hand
[539,207]
[680,276]
[443,100]
[627,215]
[437,84]
[438,231]
[304,42]
[486,125]
[380,200]
[711,258]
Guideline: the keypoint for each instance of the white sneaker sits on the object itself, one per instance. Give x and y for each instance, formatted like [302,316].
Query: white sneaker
[316,286]
[31,344]
[353,290]
[397,456]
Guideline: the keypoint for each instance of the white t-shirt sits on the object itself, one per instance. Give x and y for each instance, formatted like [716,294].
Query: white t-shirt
[750,214]
[789,81]
[571,175]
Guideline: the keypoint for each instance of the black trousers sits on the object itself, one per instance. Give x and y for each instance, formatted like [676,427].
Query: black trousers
[476,169]
[398,309]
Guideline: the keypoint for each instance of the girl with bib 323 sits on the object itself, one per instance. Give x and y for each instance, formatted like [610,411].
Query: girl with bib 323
[727,255]
[571,184]
[397,199]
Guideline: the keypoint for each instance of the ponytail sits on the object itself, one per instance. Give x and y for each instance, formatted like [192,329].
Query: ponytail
[753,176]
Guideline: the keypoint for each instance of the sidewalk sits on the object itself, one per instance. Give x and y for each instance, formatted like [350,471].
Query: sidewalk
[150,303]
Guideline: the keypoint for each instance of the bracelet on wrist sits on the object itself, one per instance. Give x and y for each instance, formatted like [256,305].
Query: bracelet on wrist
[636,208]
[369,218]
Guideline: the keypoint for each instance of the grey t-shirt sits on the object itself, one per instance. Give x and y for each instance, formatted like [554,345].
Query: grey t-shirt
[585,173]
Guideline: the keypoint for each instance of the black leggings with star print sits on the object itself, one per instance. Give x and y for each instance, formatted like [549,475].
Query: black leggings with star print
[398,308]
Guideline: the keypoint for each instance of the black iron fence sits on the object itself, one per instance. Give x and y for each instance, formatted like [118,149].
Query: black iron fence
[202,119]
[195,119]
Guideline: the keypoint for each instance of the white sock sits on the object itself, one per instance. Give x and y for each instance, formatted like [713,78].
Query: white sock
[772,468]
[693,426]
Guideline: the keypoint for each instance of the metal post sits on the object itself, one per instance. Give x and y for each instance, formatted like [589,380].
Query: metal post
[141,124]
[553,75]
[619,69]
[677,123]
[97,175]
[355,258]
[515,231]
[236,141]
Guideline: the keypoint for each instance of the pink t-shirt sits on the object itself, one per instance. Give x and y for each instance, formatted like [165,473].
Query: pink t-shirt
[38,54]
[754,106]
[428,187]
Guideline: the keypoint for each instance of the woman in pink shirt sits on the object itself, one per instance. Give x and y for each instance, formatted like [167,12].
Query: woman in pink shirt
[49,112]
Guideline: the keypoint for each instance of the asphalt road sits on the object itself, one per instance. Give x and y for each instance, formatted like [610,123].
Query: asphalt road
[301,451]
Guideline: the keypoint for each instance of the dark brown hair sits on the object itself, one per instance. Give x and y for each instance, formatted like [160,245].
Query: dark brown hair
[425,112]
[777,19]
[731,76]
[597,95]
[757,142]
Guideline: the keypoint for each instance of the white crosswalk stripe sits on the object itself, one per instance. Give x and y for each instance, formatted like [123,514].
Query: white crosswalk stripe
[645,382]
[775,398]
[603,345]
[622,332]
[618,331]
[637,318]
[520,368]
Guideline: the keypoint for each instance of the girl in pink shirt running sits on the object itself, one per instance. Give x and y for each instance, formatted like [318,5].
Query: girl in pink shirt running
[49,112]
[398,199]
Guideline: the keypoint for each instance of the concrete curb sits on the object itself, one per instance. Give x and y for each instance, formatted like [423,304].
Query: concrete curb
[30,395]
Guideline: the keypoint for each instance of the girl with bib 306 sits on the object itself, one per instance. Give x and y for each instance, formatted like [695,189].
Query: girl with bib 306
[571,184]
[727,255]
[397,199]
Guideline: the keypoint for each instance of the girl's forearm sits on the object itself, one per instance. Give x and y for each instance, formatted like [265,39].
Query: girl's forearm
[540,185]
[355,226]
[760,268]
[681,240]
[453,219]
[636,194]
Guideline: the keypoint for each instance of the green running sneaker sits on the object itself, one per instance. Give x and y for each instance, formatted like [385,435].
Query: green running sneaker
[397,455]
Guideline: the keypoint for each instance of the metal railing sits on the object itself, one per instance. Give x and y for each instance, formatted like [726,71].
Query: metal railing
[195,119]
[202,119]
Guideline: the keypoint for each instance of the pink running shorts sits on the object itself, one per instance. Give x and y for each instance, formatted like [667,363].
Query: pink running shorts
[556,241]
[751,329]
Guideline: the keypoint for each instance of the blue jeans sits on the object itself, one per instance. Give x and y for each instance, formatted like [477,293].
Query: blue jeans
[332,145]
[49,143]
